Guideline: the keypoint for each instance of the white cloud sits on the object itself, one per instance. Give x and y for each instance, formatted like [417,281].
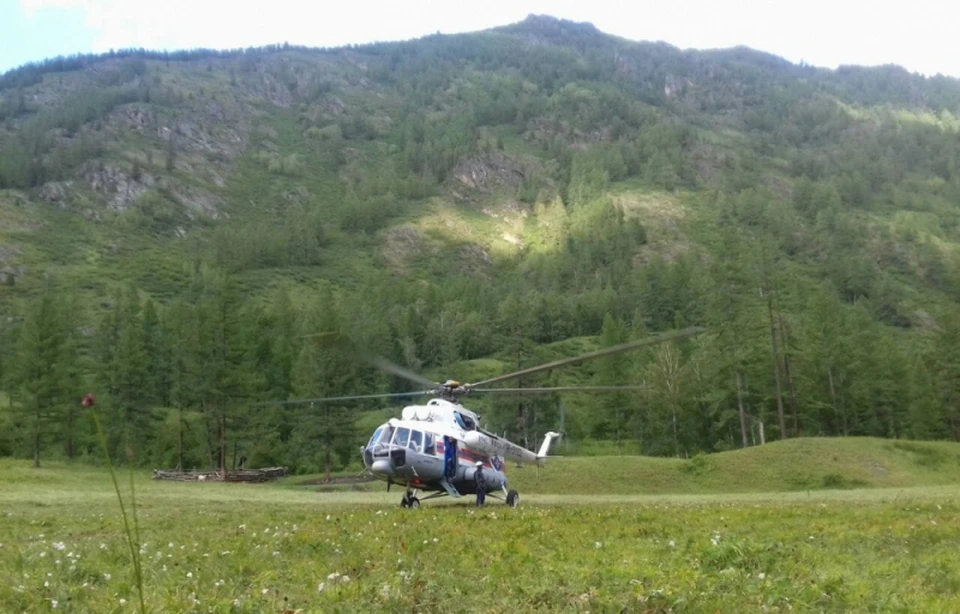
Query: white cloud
[822,32]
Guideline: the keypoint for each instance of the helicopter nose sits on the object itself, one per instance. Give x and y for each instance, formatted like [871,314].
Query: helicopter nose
[381,466]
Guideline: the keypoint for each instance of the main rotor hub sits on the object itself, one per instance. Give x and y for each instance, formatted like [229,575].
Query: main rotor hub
[451,390]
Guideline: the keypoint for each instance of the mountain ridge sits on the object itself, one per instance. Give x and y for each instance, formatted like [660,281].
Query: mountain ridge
[478,197]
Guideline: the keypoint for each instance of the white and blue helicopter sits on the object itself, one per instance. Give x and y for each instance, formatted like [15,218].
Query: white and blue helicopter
[438,447]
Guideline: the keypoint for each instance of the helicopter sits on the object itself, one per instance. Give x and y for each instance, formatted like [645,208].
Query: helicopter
[437,447]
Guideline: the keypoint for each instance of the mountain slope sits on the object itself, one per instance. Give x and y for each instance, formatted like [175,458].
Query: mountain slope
[482,202]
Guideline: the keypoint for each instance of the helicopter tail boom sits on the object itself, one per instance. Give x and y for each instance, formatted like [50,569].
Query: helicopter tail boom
[545,446]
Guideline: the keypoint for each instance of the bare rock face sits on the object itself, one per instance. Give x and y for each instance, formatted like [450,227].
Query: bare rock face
[489,172]
[474,261]
[137,118]
[9,272]
[55,192]
[116,186]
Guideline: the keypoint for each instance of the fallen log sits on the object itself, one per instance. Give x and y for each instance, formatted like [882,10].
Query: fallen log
[238,475]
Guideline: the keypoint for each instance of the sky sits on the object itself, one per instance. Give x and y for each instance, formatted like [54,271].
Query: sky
[920,35]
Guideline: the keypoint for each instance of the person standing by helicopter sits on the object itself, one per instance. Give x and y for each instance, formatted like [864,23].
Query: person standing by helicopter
[481,483]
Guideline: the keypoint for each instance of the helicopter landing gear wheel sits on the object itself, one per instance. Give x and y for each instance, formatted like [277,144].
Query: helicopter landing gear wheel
[513,498]
[409,500]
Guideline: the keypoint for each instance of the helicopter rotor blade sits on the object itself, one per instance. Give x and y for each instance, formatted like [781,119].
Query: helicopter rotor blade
[355,397]
[687,332]
[345,345]
[385,365]
[559,389]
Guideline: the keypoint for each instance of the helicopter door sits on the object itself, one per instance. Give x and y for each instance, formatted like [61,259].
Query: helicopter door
[449,457]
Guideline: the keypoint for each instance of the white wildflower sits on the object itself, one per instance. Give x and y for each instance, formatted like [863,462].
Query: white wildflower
[103,546]
[598,544]
[328,517]
[672,544]
[762,575]
[189,574]
[106,576]
[345,579]
[435,540]
[123,601]
[320,587]
[225,553]
[275,553]
[59,546]
[265,591]
[219,583]
[54,603]
[242,527]
[43,554]
[170,545]
[267,530]
[57,561]
[46,584]
[332,577]
[164,567]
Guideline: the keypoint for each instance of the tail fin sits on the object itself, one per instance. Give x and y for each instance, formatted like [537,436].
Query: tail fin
[545,446]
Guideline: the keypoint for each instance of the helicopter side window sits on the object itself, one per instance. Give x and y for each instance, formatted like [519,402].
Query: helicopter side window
[429,445]
[416,441]
[459,420]
[402,436]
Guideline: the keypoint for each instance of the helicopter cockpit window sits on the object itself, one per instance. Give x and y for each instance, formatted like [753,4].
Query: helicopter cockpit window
[416,441]
[429,445]
[402,436]
[465,422]
[381,435]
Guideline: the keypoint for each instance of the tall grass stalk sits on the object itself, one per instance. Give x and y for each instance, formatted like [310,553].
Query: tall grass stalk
[133,537]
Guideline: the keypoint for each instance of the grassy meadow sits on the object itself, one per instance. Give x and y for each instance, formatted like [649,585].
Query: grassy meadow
[281,548]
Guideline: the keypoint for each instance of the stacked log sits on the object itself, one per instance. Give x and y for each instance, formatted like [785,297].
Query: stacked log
[239,475]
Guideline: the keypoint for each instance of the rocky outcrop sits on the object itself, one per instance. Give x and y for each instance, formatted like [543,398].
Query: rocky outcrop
[489,172]
[117,187]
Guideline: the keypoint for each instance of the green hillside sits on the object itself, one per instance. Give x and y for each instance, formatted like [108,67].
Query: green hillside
[798,464]
[173,226]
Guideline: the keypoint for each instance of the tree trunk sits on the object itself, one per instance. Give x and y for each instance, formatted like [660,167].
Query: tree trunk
[36,443]
[743,413]
[180,439]
[676,435]
[776,368]
[223,442]
[794,401]
[327,456]
[69,425]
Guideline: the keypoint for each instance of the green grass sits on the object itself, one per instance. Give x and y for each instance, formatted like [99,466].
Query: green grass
[797,464]
[258,548]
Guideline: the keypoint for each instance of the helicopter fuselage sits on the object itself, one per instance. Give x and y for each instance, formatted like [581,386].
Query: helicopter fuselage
[430,457]
[436,447]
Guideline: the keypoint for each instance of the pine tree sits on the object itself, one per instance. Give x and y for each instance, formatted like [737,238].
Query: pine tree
[45,361]
[321,372]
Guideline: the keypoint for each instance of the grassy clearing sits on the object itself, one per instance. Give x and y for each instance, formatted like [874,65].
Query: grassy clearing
[243,548]
[259,548]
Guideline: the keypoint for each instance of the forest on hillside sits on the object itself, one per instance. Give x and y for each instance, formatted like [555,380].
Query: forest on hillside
[464,206]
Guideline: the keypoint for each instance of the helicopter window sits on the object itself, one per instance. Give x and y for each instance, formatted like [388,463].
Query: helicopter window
[416,440]
[429,445]
[375,437]
[459,419]
[403,434]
